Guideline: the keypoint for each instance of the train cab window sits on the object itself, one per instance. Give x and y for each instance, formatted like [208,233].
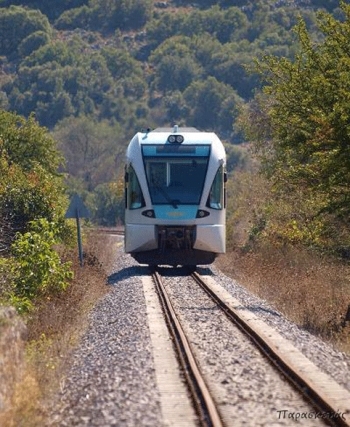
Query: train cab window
[176,180]
[216,195]
[135,198]
[176,175]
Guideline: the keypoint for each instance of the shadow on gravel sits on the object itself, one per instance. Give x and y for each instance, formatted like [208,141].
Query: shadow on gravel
[143,270]
[126,273]
[205,271]
[183,271]
[259,309]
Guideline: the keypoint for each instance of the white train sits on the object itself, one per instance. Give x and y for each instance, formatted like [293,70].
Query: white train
[175,197]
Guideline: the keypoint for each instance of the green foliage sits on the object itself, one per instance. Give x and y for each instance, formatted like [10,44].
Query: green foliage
[174,64]
[32,203]
[301,129]
[36,267]
[57,81]
[75,18]
[108,15]
[17,24]
[83,72]
[93,150]
[52,11]
[32,43]
[223,24]
[30,187]
[94,153]
[229,65]
[126,65]
[325,4]
[248,196]
[237,157]
[309,117]
[176,107]
[107,203]
[28,196]
[25,143]
[212,104]
[120,63]
[123,14]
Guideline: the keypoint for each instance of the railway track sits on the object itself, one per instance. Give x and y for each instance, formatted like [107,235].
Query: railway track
[111,230]
[202,398]
[326,396]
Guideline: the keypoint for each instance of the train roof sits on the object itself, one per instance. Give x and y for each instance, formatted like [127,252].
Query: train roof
[190,135]
[176,136]
[175,129]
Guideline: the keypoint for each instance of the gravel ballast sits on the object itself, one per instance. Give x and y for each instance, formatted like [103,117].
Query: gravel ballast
[112,380]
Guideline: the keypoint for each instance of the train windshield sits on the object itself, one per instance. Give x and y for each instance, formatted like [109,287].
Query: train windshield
[176,174]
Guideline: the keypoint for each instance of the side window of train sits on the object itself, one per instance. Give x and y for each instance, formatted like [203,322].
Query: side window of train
[135,198]
[216,194]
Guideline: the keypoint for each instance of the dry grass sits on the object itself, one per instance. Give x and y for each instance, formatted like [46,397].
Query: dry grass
[25,410]
[55,329]
[311,290]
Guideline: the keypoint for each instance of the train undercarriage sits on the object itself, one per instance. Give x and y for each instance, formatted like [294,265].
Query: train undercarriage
[175,247]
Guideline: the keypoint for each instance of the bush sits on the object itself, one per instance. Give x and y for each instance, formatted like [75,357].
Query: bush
[16,24]
[32,43]
[36,268]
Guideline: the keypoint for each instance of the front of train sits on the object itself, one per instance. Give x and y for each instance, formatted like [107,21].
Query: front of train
[175,197]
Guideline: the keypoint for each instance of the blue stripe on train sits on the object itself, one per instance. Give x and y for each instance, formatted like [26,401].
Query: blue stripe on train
[180,213]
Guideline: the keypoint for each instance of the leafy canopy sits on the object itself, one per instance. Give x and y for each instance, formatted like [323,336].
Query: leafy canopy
[308,114]
[30,187]
[32,204]
[16,24]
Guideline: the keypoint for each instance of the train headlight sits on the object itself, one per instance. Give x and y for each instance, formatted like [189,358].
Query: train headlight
[179,139]
[149,213]
[201,213]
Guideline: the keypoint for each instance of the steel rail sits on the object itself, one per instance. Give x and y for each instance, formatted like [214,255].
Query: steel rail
[277,356]
[206,408]
[110,230]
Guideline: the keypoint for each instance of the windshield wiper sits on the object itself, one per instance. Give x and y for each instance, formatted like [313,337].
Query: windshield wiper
[174,202]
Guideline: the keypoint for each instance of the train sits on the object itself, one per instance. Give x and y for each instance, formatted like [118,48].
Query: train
[175,197]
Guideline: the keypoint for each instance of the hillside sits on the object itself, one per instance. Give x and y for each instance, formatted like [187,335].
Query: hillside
[111,68]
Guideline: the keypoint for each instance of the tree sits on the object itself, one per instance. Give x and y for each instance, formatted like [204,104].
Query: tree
[107,203]
[108,15]
[30,187]
[16,24]
[212,104]
[32,206]
[224,24]
[94,153]
[175,65]
[47,8]
[308,111]
[32,43]
[230,65]
[60,79]
[91,149]
[27,144]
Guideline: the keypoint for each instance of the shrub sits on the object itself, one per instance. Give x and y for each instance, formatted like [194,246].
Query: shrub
[36,267]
